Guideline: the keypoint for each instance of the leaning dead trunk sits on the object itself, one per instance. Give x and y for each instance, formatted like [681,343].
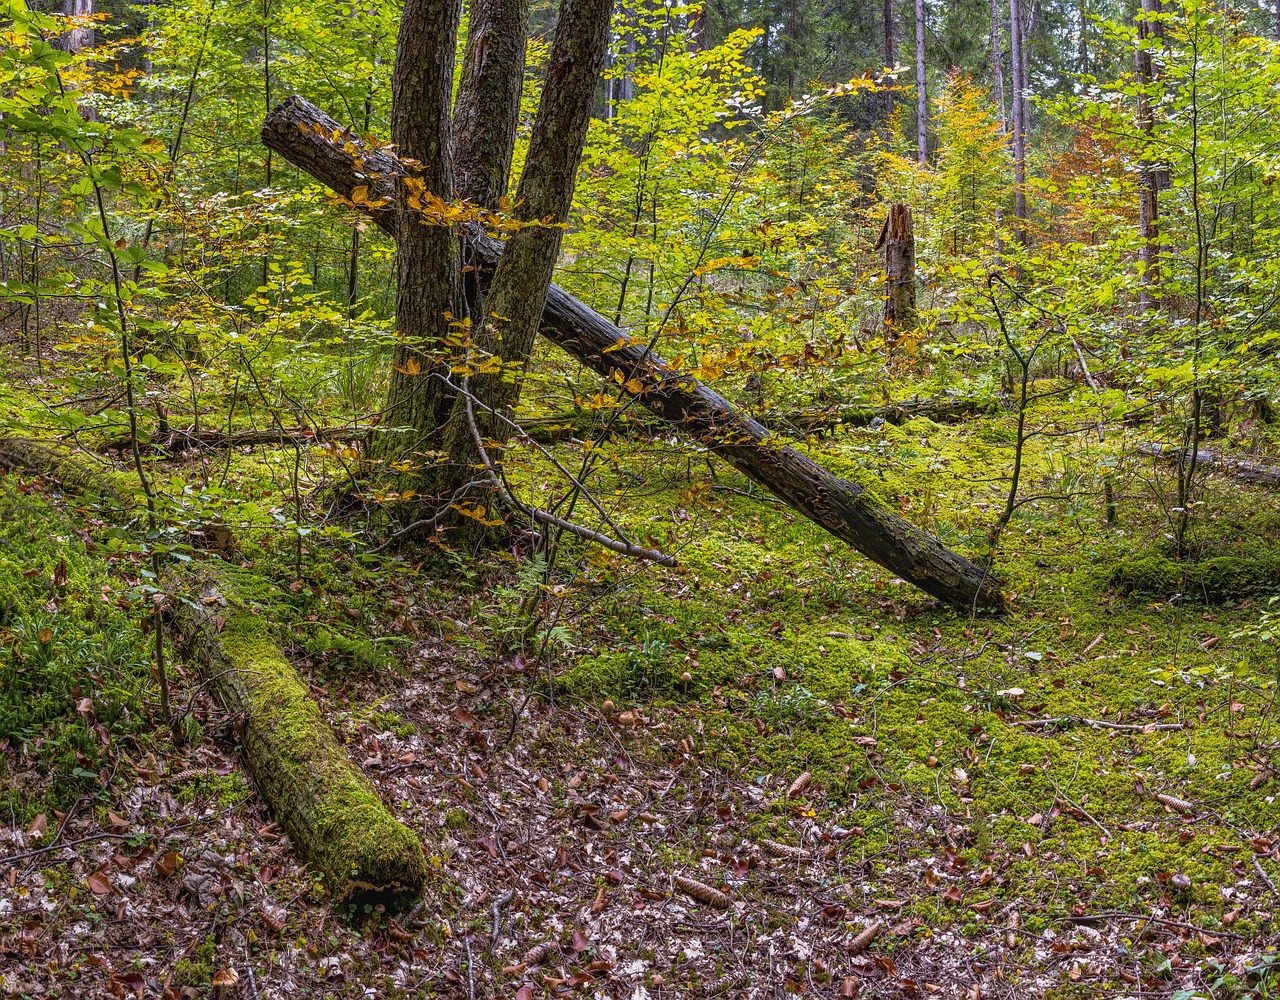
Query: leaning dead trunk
[899,241]
[846,509]
[331,812]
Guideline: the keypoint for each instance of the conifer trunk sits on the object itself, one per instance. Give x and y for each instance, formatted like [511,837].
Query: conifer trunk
[1148,206]
[922,95]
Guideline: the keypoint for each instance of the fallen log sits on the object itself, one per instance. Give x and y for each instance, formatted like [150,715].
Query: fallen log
[1247,472]
[177,442]
[333,815]
[318,145]
[77,478]
[331,812]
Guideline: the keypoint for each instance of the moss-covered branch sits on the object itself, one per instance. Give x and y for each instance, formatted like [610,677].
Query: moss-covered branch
[330,810]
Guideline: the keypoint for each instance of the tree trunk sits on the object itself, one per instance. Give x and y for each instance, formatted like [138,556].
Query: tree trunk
[1147,179]
[429,273]
[922,96]
[333,815]
[514,301]
[898,238]
[487,110]
[891,56]
[997,62]
[1016,64]
[844,508]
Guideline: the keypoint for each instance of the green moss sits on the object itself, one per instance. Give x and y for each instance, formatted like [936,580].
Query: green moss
[1212,581]
[196,968]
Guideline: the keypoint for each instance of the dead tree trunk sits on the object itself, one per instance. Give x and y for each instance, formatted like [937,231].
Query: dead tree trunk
[899,241]
[844,508]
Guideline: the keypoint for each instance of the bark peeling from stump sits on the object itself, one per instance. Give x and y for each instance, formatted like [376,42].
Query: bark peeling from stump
[337,822]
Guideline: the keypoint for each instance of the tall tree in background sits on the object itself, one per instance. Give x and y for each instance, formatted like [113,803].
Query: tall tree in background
[891,55]
[922,96]
[1016,64]
[997,63]
[1148,30]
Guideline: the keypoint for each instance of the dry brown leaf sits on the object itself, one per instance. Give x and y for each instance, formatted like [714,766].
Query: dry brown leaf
[168,863]
[799,785]
[868,934]
[702,892]
[99,883]
[38,826]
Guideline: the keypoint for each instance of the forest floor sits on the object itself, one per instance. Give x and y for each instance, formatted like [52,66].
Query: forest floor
[873,795]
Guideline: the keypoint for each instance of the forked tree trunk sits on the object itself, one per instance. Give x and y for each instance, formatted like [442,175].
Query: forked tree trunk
[899,241]
[844,508]
[514,301]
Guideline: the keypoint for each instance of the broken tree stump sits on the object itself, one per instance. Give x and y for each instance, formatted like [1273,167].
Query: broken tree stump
[899,242]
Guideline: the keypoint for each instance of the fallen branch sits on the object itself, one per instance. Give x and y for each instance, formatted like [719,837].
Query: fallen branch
[1237,468]
[1064,720]
[179,442]
[317,144]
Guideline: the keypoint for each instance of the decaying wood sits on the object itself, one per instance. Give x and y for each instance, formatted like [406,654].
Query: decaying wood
[899,241]
[76,476]
[333,815]
[1247,472]
[315,143]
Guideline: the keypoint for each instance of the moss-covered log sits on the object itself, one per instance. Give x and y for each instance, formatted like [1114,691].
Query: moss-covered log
[329,809]
[1237,468]
[1213,581]
[75,475]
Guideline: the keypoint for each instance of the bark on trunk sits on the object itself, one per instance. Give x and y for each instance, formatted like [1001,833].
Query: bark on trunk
[890,57]
[1016,64]
[429,272]
[899,242]
[844,508]
[333,815]
[922,95]
[1147,175]
[487,110]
